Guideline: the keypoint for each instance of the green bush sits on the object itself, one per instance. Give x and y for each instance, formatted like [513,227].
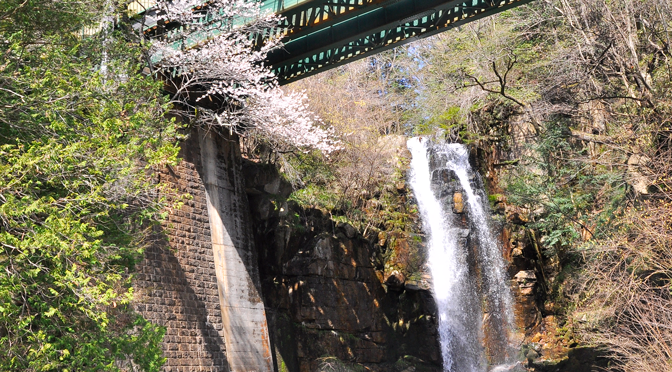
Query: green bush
[77,196]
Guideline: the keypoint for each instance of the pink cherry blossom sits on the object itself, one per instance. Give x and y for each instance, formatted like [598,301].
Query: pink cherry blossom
[226,62]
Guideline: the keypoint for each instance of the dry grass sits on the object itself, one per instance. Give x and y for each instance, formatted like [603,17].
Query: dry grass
[624,298]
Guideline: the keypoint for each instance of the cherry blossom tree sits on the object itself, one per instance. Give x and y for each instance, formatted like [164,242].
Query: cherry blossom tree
[215,65]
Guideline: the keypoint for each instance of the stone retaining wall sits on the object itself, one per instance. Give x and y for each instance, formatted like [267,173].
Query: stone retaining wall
[200,279]
[176,285]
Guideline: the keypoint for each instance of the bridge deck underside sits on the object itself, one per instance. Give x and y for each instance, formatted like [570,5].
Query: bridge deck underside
[325,36]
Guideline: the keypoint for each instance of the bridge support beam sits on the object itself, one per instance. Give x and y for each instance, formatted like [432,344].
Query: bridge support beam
[243,315]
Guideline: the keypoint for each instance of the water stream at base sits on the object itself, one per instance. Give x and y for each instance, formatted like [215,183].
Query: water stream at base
[471,290]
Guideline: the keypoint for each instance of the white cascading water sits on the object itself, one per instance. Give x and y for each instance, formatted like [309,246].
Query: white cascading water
[460,306]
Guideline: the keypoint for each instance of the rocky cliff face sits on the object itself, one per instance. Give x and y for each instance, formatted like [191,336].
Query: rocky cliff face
[330,300]
[337,298]
[547,342]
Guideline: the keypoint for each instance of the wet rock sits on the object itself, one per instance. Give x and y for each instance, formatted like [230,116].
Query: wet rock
[525,276]
[458,203]
[527,280]
[580,359]
[528,314]
[529,291]
[325,296]
[515,367]
[329,300]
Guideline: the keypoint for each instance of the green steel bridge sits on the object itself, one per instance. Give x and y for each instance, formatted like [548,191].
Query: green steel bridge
[323,34]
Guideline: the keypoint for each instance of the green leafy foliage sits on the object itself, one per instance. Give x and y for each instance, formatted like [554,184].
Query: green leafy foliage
[34,19]
[565,192]
[77,195]
[365,194]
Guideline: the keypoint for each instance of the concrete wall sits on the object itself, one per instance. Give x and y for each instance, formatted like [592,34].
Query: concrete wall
[199,279]
[243,314]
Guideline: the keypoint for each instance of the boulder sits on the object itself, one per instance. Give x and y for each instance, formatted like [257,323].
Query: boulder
[525,276]
[458,203]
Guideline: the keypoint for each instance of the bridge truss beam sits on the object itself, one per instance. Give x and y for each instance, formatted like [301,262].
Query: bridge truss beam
[324,35]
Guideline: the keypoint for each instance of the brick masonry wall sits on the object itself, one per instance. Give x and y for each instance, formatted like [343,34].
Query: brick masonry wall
[176,286]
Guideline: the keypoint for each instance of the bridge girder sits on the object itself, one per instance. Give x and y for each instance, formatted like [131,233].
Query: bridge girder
[322,34]
[366,28]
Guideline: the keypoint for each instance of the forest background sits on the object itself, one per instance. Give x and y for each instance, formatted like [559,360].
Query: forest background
[572,98]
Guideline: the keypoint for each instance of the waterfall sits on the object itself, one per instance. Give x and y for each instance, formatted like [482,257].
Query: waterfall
[470,285]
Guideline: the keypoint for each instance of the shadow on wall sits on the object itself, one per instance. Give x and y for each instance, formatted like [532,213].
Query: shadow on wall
[176,284]
[186,305]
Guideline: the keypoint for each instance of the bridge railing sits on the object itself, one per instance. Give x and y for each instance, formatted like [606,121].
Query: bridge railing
[321,34]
